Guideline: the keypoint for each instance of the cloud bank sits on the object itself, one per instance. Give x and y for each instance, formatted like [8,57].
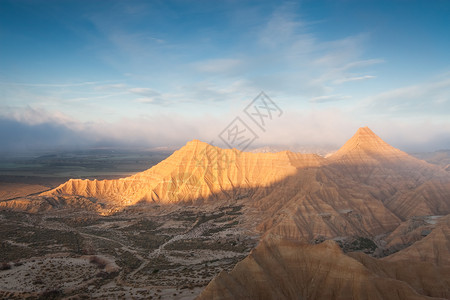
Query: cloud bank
[325,127]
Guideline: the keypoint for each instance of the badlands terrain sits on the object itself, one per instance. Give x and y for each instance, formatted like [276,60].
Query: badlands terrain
[367,222]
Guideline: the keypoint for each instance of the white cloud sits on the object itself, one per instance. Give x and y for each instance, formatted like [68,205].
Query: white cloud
[35,116]
[279,54]
[145,100]
[313,127]
[221,65]
[281,27]
[427,98]
[357,78]
[328,98]
[111,86]
[94,98]
[339,71]
[145,92]
[362,63]
[74,84]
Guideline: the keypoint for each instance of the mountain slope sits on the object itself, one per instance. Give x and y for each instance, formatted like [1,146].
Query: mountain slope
[287,269]
[365,144]
[406,185]
[281,269]
[434,248]
[195,172]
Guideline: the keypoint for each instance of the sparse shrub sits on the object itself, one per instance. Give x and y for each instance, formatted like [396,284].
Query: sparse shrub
[99,262]
[51,294]
[106,275]
[87,250]
[362,243]
[5,266]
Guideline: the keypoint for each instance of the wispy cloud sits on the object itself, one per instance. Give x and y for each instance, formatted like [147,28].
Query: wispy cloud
[357,78]
[37,128]
[329,98]
[35,116]
[144,92]
[111,86]
[151,96]
[94,98]
[362,63]
[345,72]
[423,98]
[289,60]
[280,54]
[221,65]
[75,84]
[281,27]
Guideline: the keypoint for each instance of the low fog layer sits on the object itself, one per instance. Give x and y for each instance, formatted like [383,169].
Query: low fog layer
[39,130]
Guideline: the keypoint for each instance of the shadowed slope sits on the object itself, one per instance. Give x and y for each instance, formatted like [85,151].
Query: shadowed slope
[282,269]
[406,185]
[434,248]
[365,144]
[424,277]
[290,270]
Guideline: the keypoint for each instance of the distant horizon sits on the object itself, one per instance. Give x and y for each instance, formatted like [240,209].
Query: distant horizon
[323,149]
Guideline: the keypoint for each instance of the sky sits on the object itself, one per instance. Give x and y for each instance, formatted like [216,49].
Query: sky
[133,74]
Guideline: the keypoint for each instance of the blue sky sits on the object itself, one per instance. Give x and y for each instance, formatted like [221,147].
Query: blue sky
[154,73]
